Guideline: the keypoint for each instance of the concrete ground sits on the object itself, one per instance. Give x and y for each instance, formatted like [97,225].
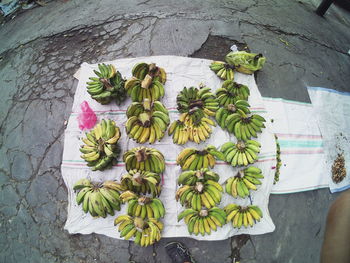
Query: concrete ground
[42,48]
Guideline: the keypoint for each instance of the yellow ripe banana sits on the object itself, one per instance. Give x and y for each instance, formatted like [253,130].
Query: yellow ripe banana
[206,225]
[231,215]
[234,187]
[211,160]
[250,218]
[245,219]
[205,201]
[188,161]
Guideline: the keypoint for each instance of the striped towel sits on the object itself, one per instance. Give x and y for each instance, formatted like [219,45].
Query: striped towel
[302,150]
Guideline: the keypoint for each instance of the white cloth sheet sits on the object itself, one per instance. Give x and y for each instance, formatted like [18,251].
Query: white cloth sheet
[181,71]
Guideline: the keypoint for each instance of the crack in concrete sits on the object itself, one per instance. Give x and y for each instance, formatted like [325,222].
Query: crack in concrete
[279,31]
[240,241]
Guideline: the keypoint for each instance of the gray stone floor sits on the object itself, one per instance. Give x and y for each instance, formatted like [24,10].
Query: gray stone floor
[42,48]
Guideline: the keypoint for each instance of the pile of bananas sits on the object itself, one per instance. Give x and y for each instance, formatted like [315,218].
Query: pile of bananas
[243,182]
[231,91]
[192,177]
[203,221]
[197,102]
[147,82]
[206,193]
[136,108]
[145,231]
[244,126]
[223,70]
[101,150]
[245,62]
[224,112]
[241,153]
[142,182]
[143,206]
[193,159]
[149,125]
[99,199]
[185,129]
[243,216]
[108,86]
[144,159]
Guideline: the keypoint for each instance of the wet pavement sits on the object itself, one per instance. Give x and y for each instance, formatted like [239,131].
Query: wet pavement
[41,50]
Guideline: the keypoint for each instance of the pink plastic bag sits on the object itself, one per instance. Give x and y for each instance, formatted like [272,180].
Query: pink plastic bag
[87,118]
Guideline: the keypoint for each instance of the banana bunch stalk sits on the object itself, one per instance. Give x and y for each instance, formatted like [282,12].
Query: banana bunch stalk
[243,215]
[278,161]
[224,112]
[147,82]
[107,86]
[244,126]
[185,130]
[245,62]
[144,159]
[136,108]
[231,91]
[192,100]
[223,70]
[241,153]
[204,220]
[99,199]
[147,126]
[192,177]
[245,181]
[142,182]
[143,206]
[206,193]
[101,150]
[144,231]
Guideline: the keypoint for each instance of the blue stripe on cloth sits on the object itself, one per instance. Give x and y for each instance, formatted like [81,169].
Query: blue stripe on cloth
[301,144]
[330,90]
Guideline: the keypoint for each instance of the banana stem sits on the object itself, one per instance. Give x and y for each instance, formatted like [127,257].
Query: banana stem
[106,83]
[147,81]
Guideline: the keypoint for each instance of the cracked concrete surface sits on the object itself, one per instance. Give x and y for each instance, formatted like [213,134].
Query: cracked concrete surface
[42,48]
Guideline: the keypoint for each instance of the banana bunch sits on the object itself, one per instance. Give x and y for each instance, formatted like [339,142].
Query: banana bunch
[224,112]
[145,231]
[101,149]
[231,91]
[143,206]
[241,153]
[142,182]
[204,220]
[223,70]
[192,177]
[184,129]
[191,100]
[193,159]
[147,126]
[136,108]
[206,193]
[144,159]
[147,82]
[245,62]
[99,199]
[141,70]
[243,182]
[244,126]
[108,86]
[243,215]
